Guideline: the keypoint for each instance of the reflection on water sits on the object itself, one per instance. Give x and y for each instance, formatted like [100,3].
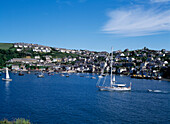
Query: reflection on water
[7,90]
[7,85]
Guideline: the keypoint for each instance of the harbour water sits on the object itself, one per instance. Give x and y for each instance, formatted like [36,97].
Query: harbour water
[74,99]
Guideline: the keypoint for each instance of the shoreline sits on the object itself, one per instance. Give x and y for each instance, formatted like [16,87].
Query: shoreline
[72,71]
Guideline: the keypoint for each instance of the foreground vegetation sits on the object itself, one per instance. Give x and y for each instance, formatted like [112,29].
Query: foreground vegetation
[17,121]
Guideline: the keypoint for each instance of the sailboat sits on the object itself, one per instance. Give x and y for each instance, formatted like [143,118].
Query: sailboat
[40,75]
[113,85]
[7,76]
[21,74]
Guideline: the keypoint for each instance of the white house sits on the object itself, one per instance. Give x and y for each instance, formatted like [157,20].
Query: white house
[63,51]
[48,51]
[15,67]
[35,47]
[68,68]
[25,46]
[41,60]
[37,57]
[19,50]
[55,60]
[165,62]
[44,51]
[15,46]
[73,51]
[74,59]
[122,54]
[20,46]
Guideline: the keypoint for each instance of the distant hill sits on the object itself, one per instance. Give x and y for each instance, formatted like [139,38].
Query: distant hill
[5,46]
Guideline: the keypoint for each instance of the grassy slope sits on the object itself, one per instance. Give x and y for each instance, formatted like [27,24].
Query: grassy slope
[5,46]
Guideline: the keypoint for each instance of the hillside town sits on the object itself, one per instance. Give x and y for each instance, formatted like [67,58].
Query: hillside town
[142,63]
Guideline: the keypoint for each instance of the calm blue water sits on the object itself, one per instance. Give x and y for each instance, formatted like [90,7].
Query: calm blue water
[56,99]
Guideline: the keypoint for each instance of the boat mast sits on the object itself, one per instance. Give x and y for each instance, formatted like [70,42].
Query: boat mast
[111,80]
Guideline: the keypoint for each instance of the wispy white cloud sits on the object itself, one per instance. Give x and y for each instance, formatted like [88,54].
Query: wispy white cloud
[137,22]
[159,1]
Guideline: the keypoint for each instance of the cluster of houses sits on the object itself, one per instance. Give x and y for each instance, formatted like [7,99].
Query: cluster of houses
[140,62]
[35,47]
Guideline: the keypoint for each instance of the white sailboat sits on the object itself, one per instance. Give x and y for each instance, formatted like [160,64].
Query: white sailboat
[113,85]
[7,76]
[40,75]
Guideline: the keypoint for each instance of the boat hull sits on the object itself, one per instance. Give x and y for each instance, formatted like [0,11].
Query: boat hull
[40,76]
[100,76]
[6,79]
[21,74]
[114,89]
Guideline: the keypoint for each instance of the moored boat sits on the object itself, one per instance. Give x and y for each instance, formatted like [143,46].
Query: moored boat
[7,78]
[67,76]
[62,75]
[21,74]
[40,75]
[93,77]
[100,76]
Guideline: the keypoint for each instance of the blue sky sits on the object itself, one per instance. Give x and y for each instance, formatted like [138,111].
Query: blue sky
[87,24]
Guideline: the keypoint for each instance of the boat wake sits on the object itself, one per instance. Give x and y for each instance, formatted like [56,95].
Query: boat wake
[151,91]
[158,91]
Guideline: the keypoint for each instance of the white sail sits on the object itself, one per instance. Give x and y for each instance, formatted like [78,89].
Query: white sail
[114,78]
[7,74]
[104,66]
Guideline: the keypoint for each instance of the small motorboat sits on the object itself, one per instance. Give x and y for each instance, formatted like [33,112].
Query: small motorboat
[155,91]
[62,75]
[40,75]
[21,74]
[100,76]
[93,77]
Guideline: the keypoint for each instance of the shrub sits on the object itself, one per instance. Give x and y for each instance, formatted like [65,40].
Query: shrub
[17,121]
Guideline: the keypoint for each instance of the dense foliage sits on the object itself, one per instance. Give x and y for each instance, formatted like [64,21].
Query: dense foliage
[166,72]
[6,55]
[17,121]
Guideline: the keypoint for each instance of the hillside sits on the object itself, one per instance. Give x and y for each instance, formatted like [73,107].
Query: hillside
[8,51]
[5,46]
